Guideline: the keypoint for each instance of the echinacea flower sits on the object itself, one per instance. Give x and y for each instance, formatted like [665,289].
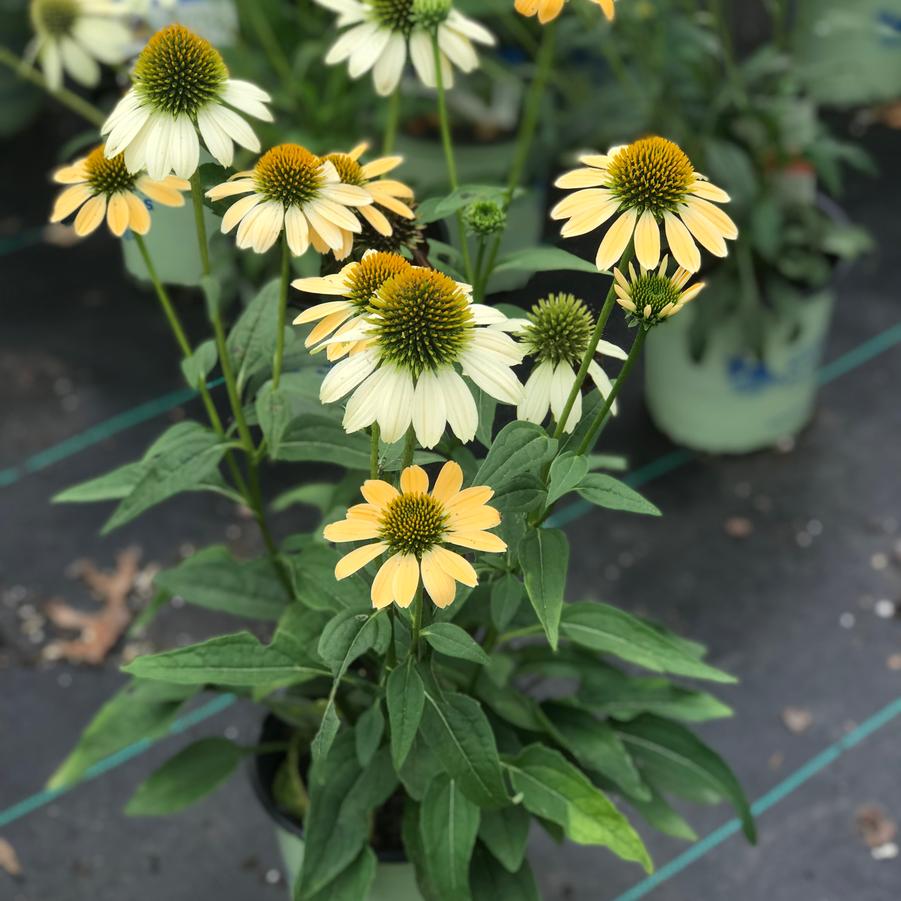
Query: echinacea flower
[73,36]
[181,85]
[356,284]
[413,525]
[379,33]
[99,186]
[292,189]
[422,326]
[557,334]
[652,296]
[548,10]
[407,236]
[384,192]
[647,184]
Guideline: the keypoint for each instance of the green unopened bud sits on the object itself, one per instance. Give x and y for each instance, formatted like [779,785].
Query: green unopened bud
[484,218]
[429,14]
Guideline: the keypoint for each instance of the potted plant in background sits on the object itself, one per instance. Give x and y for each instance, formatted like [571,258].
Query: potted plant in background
[416,719]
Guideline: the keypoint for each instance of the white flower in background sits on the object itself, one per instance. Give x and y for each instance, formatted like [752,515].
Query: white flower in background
[556,335]
[421,327]
[74,36]
[294,189]
[381,33]
[181,85]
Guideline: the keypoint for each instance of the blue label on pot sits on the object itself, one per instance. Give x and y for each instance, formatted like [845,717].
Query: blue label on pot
[750,375]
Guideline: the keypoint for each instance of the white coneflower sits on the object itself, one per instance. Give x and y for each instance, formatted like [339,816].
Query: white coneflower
[385,192]
[181,85]
[652,296]
[645,184]
[422,326]
[73,36]
[356,284]
[413,526]
[294,189]
[101,187]
[557,334]
[380,32]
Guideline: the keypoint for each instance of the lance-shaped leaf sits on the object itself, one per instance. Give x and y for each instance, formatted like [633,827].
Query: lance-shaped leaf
[405,695]
[544,557]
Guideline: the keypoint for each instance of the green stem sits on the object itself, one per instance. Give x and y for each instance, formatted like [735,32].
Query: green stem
[374,451]
[267,37]
[409,449]
[279,359]
[447,143]
[725,31]
[391,122]
[532,107]
[63,95]
[417,622]
[604,412]
[596,335]
[199,224]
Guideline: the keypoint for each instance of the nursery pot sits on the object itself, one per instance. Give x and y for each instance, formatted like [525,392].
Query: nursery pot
[395,878]
[732,401]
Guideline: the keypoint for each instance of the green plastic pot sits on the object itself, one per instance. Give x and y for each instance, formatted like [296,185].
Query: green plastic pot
[731,401]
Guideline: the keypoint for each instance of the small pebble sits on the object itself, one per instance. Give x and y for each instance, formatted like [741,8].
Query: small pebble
[888,851]
[894,662]
[804,539]
[884,609]
[64,680]
[815,527]
[847,620]
[233,532]
[738,527]
[785,445]
[273,877]
[879,561]
[232,732]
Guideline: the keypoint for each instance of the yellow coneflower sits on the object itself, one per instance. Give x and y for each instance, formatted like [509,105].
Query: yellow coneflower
[413,525]
[182,86]
[294,189]
[556,335]
[379,35]
[357,284]
[548,10]
[651,296]
[385,192]
[647,184]
[73,36]
[100,187]
[422,326]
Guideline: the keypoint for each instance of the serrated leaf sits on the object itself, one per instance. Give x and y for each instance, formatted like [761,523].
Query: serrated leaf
[604,490]
[405,695]
[603,628]
[446,638]
[212,578]
[566,472]
[251,342]
[520,447]
[544,558]
[186,778]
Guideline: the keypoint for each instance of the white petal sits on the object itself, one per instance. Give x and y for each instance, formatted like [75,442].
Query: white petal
[460,406]
[429,414]
[346,375]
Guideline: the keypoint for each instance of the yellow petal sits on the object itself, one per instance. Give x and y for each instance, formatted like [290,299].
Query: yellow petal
[366,512]
[682,244]
[378,493]
[441,587]
[413,480]
[117,214]
[647,240]
[138,215]
[449,482]
[90,215]
[358,558]
[350,530]
[470,498]
[455,566]
[480,518]
[616,240]
[478,541]
[69,201]
[382,593]
[406,580]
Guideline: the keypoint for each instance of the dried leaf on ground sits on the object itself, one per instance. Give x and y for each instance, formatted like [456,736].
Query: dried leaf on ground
[876,828]
[9,860]
[797,720]
[738,527]
[98,632]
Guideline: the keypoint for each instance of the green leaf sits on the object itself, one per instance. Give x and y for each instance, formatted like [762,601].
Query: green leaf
[186,462]
[448,824]
[446,638]
[237,659]
[212,578]
[251,343]
[456,729]
[520,447]
[604,490]
[566,473]
[315,584]
[140,711]
[351,884]
[327,732]
[678,761]
[544,557]
[319,439]
[405,695]
[273,414]
[663,818]
[603,628]
[350,634]
[554,789]
[434,208]
[368,731]
[596,747]
[544,259]
[316,494]
[186,778]
[298,632]
[491,882]
[505,833]
[506,596]
[200,364]
[113,486]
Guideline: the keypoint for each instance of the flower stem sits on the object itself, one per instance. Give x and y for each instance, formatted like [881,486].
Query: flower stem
[391,122]
[374,452]
[63,95]
[596,335]
[599,420]
[409,449]
[199,223]
[279,359]
[417,621]
[449,157]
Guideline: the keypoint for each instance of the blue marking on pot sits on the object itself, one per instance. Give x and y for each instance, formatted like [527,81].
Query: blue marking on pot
[750,375]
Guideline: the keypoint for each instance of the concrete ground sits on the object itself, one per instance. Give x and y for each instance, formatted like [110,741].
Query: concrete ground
[790,608]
